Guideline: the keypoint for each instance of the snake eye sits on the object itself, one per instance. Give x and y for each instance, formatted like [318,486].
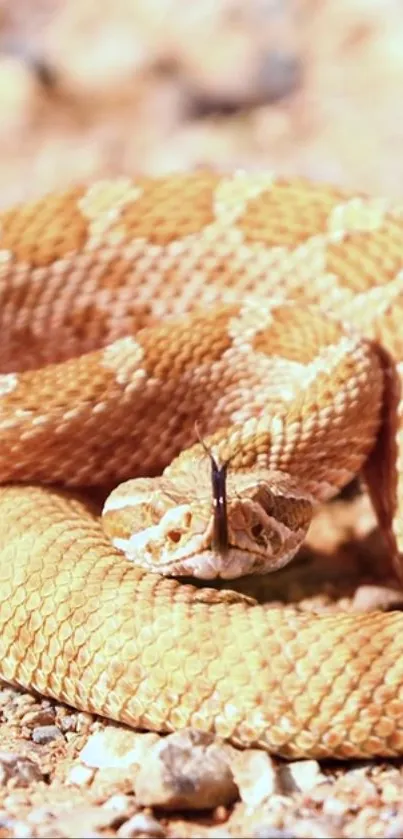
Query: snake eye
[174,535]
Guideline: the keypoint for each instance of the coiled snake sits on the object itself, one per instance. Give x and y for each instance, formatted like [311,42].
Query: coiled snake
[265,313]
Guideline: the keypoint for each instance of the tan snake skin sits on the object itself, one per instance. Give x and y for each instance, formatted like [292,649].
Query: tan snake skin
[131,310]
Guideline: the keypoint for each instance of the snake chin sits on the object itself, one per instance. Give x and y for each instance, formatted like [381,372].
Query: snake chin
[166,525]
[203,564]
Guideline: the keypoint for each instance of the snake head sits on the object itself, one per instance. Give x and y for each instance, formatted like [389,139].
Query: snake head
[167,524]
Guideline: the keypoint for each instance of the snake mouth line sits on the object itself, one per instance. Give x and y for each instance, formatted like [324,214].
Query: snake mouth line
[203,563]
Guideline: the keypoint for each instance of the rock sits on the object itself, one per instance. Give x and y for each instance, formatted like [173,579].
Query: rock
[21,770]
[39,717]
[256,776]
[22,829]
[68,723]
[76,821]
[44,734]
[141,824]
[84,722]
[121,805]
[116,748]
[301,776]
[395,828]
[369,598]
[335,808]
[187,770]
[80,776]
[313,829]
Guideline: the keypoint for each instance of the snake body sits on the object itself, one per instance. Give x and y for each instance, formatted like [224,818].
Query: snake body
[268,311]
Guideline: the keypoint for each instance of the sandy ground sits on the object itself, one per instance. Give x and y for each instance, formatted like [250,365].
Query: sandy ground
[92,88]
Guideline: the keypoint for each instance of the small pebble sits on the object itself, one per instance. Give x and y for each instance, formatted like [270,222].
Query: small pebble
[21,770]
[256,776]
[141,824]
[187,770]
[40,717]
[120,804]
[44,734]
[121,808]
[23,830]
[313,829]
[6,821]
[68,723]
[84,722]
[335,807]
[395,829]
[301,776]
[80,776]
[369,598]
[116,748]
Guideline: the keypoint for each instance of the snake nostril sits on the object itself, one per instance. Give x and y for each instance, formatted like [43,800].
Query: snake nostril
[257,532]
[174,535]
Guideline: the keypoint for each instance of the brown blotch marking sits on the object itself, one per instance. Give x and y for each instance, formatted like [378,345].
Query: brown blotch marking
[87,321]
[170,208]
[116,273]
[40,232]
[137,316]
[18,296]
[187,343]
[296,334]
[60,387]
[289,213]
[360,421]
[293,513]
[363,260]
[22,350]
[84,328]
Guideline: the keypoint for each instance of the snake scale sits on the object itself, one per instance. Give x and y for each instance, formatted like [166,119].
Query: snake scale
[267,313]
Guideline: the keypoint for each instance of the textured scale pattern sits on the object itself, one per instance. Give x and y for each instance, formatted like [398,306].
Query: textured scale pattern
[267,310]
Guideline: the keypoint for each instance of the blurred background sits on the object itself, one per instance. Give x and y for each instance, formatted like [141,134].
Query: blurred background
[90,88]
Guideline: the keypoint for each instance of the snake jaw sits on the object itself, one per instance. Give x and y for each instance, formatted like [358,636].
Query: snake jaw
[166,525]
